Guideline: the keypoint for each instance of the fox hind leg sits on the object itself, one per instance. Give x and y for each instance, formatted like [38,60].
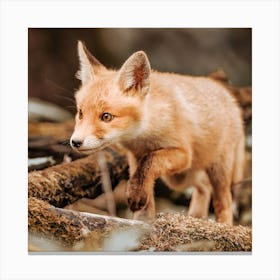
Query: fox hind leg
[199,205]
[201,196]
[221,177]
[238,174]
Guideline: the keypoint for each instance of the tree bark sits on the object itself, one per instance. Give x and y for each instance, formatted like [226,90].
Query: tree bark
[65,183]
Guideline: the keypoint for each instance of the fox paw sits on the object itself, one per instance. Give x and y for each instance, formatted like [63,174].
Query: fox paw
[137,197]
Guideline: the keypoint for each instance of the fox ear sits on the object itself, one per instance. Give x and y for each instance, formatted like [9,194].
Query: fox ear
[135,73]
[89,65]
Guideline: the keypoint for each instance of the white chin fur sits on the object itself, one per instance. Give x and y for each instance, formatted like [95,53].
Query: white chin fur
[87,152]
[93,143]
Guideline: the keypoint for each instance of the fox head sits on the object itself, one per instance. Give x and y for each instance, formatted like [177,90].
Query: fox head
[110,104]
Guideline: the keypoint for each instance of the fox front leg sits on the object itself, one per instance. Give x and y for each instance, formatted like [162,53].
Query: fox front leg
[140,187]
[141,199]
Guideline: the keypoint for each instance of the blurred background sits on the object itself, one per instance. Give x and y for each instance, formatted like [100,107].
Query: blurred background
[53,61]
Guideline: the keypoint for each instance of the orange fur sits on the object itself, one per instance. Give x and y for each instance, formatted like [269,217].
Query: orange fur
[173,126]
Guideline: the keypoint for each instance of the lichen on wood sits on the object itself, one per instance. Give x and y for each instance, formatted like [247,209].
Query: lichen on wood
[172,230]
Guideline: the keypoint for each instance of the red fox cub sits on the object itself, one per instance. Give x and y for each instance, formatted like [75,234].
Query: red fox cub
[181,128]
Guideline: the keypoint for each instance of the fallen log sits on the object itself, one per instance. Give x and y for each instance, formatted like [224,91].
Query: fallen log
[65,183]
[51,139]
[46,146]
[39,109]
[176,232]
[40,163]
[79,231]
[57,131]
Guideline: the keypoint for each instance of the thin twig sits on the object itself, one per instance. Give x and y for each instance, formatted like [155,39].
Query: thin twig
[106,184]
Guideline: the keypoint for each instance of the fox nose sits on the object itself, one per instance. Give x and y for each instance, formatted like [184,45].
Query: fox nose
[76,143]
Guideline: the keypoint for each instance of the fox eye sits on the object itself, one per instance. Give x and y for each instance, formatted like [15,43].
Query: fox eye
[106,117]
[80,114]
